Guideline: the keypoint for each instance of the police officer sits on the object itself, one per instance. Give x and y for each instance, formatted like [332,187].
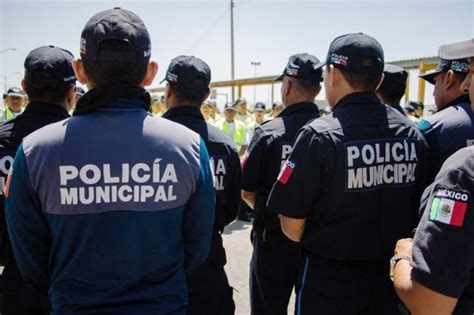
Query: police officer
[242,114]
[209,290]
[79,93]
[110,210]
[215,116]
[452,127]
[49,83]
[393,86]
[277,108]
[13,101]
[232,127]
[410,109]
[275,258]
[436,276]
[350,188]
[259,113]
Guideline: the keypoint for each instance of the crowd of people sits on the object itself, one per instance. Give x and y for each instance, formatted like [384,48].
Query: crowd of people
[118,211]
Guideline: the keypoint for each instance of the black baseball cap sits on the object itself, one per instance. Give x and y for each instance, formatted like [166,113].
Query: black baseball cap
[240,100]
[189,72]
[49,66]
[459,50]
[303,67]
[276,104]
[351,50]
[230,106]
[458,65]
[395,77]
[260,107]
[15,91]
[414,105]
[115,25]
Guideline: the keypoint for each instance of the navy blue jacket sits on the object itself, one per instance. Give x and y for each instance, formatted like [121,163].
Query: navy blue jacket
[271,145]
[109,211]
[227,172]
[447,131]
[356,176]
[12,132]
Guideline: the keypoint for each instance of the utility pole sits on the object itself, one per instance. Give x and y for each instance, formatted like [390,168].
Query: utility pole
[5,79]
[232,69]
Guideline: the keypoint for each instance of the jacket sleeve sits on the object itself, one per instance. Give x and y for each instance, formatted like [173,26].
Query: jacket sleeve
[233,200]
[199,216]
[29,233]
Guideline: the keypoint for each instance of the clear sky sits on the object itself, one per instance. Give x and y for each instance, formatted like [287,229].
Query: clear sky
[265,31]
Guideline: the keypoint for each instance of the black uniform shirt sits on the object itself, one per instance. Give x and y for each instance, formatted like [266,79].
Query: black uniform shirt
[447,131]
[224,159]
[443,249]
[12,132]
[269,148]
[354,175]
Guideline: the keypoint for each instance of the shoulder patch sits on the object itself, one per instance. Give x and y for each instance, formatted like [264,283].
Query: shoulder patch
[424,125]
[449,206]
[286,171]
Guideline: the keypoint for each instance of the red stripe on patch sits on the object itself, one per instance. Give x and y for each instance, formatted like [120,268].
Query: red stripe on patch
[285,173]
[459,212]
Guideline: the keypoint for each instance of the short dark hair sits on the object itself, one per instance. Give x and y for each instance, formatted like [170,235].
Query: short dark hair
[193,97]
[367,80]
[107,72]
[391,94]
[43,91]
[309,86]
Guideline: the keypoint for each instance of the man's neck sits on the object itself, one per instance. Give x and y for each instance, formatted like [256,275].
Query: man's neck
[63,104]
[15,110]
[298,101]
[230,122]
[451,99]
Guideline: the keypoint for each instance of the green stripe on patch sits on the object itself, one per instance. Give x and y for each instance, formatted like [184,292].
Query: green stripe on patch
[434,208]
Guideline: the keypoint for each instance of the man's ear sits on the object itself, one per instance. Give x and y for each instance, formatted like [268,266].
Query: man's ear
[78,67]
[151,71]
[288,87]
[382,77]
[23,85]
[449,79]
[207,94]
[335,75]
[71,97]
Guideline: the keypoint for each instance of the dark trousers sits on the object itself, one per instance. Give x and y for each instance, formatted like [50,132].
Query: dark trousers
[273,271]
[329,287]
[18,297]
[208,287]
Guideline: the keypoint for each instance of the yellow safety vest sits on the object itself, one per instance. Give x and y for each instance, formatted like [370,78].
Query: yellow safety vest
[239,132]
[8,114]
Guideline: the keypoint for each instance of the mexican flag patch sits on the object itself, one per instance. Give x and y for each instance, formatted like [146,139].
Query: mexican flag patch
[286,171]
[449,206]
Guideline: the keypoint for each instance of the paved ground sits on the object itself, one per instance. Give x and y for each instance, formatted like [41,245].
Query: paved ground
[239,250]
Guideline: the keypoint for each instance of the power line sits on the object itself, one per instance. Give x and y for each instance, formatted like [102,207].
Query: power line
[206,32]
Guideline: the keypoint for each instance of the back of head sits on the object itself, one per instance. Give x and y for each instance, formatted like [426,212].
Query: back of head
[304,70]
[115,48]
[360,59]
[48,74]
[393,86]
[188,79]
